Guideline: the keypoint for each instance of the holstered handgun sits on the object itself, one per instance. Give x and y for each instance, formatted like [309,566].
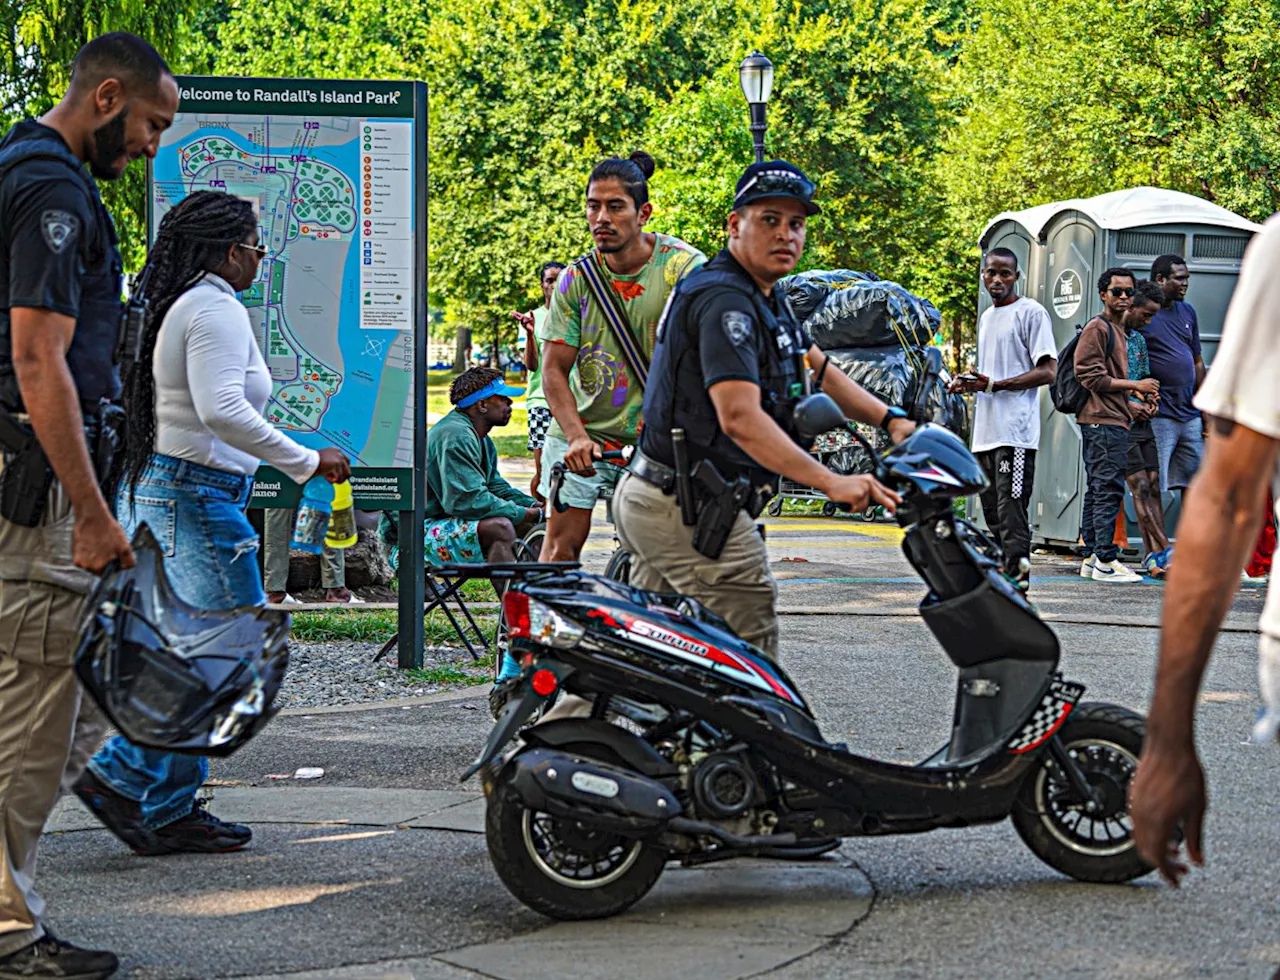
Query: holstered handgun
[25,476]
[721,501]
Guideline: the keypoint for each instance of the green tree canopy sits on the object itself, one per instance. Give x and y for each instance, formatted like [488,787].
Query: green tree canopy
[41,38]
[1070,98]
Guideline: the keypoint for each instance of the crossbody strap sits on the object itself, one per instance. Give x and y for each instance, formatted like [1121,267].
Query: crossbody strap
[616,315]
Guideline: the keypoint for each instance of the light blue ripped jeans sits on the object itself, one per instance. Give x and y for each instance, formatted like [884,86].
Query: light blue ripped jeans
[198,517]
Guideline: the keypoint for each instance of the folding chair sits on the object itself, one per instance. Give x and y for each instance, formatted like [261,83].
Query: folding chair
[443,587]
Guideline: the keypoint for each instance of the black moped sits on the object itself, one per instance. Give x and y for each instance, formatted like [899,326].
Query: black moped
[699,749]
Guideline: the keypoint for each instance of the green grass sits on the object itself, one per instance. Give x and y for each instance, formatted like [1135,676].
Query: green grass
[378,626]
[476,672]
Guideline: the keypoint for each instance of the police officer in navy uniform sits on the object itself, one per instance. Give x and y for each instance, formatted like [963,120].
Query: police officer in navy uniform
[60,319]
[728,368]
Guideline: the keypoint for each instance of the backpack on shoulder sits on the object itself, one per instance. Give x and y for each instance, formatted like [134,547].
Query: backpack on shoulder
[1068,394]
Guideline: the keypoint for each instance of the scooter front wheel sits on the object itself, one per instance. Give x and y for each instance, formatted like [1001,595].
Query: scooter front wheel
[1090,840]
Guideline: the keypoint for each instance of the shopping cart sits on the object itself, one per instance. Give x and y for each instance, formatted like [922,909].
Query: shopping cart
[840,453]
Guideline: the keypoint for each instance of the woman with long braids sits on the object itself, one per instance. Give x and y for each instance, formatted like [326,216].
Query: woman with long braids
[195,436]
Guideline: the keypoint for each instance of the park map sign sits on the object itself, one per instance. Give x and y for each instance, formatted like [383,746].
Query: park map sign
[333,168]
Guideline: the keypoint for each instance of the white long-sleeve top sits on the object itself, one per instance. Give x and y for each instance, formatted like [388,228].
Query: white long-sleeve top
[212,385]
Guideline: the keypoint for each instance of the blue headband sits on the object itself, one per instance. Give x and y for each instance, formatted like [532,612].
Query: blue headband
[492,388]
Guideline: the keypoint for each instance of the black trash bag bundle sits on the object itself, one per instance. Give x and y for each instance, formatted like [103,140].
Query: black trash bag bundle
[809,290]
[928,399]
[912,378]
[886,372]
[843,309]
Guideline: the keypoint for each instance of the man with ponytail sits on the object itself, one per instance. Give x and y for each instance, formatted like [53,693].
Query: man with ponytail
[598,340]
[195,437]
[60,278]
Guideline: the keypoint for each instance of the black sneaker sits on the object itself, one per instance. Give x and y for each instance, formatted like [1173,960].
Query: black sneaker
[52,959]
[199,832]
[119,814]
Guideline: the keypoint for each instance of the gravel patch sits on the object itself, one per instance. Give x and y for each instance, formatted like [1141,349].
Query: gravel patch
[337,673]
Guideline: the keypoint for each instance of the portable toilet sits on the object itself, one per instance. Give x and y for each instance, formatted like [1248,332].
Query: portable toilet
[1062,248]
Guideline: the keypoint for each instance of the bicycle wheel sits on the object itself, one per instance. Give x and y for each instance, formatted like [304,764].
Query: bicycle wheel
[529,548]
[619,567]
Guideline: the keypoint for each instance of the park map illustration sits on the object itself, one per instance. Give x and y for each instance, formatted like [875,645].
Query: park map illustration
[333,302]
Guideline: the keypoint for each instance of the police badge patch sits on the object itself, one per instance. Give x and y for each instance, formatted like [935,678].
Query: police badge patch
[59,229]
[737,327]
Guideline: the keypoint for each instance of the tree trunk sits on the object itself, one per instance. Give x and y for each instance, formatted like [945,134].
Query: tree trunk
[460,346]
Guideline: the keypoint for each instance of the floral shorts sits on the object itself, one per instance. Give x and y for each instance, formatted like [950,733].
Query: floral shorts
[447,541]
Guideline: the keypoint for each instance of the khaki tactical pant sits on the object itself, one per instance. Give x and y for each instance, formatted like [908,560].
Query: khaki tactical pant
[737,585]
[41,602]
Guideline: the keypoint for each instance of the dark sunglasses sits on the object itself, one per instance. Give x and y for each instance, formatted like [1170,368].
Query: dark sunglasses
[1117,292]
[260,249]
[773,182]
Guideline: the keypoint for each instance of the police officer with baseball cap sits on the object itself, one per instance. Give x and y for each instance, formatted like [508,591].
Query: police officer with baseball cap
[729,367]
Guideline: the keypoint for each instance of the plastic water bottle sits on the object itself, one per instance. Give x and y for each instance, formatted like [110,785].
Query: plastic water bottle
[342,523]
[314,510]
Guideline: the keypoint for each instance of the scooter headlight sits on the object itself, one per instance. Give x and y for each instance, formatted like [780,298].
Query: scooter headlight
[529,619]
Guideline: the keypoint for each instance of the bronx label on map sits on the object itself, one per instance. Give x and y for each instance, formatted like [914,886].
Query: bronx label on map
[330,167]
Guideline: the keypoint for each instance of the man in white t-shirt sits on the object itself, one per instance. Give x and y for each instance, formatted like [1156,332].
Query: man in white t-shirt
[1223,510]
[1016,356]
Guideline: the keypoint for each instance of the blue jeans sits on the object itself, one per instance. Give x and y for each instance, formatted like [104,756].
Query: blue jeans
[198,516]
[1106,449]
[1179,447]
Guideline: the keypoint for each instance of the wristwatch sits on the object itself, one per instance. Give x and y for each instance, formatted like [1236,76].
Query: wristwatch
[894,412]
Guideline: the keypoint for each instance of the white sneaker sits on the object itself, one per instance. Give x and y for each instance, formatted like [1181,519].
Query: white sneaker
[1086,566]
[1114,571]
[289,600]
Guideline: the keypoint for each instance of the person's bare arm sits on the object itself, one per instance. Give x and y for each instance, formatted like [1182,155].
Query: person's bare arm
[854,400]
[1040,375]
[1200,369]
[531,352]
[40,341]
[1224,509]
[525,320]
[737,405]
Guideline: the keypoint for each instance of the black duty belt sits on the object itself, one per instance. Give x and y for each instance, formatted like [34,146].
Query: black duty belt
[651,471]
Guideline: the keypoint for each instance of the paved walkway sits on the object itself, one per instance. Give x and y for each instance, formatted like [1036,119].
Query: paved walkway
[721,922]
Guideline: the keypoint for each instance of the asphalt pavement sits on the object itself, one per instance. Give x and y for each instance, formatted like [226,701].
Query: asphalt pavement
[378,870]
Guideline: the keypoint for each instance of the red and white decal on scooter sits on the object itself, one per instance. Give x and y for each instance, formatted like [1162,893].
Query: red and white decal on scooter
[668,641]
[936,475]
[1048,717]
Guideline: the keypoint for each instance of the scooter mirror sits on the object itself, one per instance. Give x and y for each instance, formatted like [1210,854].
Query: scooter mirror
[817,413]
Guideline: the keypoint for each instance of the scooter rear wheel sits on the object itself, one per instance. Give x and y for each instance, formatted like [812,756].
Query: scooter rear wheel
[1104,741]
[563,868]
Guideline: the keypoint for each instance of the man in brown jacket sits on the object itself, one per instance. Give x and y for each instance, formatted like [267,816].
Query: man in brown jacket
[1102,366]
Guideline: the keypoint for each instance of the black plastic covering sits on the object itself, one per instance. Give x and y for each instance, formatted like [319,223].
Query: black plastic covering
[173,677]
[842,308]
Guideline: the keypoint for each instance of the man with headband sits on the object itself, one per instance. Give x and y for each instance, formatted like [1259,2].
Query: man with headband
[473,515]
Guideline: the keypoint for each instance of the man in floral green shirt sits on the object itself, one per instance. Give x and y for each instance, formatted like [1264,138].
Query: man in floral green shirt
[594,398]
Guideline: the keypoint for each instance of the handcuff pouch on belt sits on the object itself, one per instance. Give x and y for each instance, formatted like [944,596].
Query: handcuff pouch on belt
[26,476]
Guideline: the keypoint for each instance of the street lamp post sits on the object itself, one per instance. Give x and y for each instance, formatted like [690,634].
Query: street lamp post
[756,75]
